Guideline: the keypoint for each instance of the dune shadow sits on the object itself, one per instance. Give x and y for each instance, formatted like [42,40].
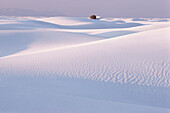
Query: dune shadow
[113,34]
[103,25]
[149,20]
[15,27]
[139,19]
[13,43]
[160,20]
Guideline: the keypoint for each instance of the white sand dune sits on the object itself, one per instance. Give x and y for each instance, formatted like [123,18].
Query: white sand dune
[73,65]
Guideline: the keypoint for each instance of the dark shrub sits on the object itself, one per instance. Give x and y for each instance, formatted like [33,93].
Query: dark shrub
[93,17]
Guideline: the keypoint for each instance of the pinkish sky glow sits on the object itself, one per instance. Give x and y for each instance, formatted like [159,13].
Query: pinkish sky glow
[106,8]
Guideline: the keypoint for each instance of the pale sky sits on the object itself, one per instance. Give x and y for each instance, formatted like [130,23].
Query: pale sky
[104,8]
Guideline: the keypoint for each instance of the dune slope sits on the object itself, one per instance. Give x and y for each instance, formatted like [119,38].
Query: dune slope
[89,69]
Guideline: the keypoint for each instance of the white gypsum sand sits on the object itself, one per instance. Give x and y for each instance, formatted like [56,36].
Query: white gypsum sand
[78,65]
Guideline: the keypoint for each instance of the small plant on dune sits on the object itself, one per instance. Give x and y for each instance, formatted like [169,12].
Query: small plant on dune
[93,17]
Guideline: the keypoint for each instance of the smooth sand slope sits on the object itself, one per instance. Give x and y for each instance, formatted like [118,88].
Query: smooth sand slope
[78,65]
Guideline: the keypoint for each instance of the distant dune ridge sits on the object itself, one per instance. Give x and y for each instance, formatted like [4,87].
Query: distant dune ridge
[72,64]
